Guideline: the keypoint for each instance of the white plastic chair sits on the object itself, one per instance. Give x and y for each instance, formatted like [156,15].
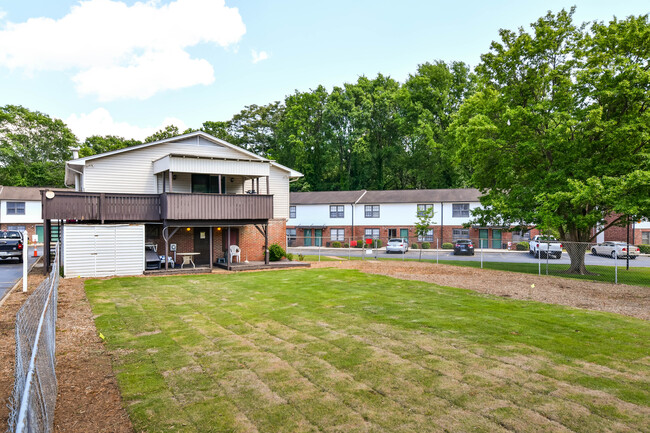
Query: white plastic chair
[235,252]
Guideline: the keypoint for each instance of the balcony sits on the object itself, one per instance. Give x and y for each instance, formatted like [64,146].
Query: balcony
[106,207]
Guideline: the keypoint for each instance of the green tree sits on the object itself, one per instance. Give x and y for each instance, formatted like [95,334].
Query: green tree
[100,144]
[558,133]
[33,148]
[423,224]
[168,131]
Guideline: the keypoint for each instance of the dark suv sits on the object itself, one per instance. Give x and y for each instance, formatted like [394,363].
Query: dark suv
[11,245]
[463,246]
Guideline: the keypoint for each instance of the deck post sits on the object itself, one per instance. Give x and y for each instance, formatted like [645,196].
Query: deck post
[46,245]
[211,248]
[266,244]
[228,250]
[165,232]
[267,186]
[219,184]
[169,172]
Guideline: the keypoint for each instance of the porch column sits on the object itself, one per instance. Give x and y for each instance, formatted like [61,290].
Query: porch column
[211,247]
[219,184]
[165,232]
[266,244]
[228,250]
[169,172]
[267,186]
[47,228]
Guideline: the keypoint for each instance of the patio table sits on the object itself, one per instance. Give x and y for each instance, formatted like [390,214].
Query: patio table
[188,258]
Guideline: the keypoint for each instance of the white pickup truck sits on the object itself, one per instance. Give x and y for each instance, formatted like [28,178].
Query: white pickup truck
[545,245]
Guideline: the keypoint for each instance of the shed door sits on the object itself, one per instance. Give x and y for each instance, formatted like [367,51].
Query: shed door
[103,250]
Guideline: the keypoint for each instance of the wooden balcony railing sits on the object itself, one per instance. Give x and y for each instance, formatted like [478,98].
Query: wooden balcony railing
[177,206]
[82,206]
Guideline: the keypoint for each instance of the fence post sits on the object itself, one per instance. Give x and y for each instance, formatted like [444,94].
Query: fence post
[539,261]
[548,246]
[319,251]
[437,251]
[349,248]
[615,267]
[481,252]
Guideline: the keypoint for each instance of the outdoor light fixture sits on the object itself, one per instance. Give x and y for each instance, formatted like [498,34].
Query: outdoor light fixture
[218,229]
[232,179]
[188,229]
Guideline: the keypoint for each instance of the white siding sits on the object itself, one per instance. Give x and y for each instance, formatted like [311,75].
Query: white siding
[32,213]
[132,171]
[211,166]
[319,214]
[279,188]
[103,250]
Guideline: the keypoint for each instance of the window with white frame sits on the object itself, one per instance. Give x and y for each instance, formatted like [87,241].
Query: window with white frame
[372,211]
[337,211]
[292,211]
[645,238]
[15,208]
[426,238]
[337,235]
[422,208]
[460,234]
[460,210]
[371,234]
[291,237]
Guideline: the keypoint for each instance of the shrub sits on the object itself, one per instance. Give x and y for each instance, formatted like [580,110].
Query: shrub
[301,257]
[276,252]
[644,249]
[414,246]
[360,243]
[336,244]
[377,243]
[426,245]
[522,246]
[346,245]
[290,257]
[447,246]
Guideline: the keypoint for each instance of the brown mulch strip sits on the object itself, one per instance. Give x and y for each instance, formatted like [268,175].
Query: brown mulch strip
[623,299]
[88,398]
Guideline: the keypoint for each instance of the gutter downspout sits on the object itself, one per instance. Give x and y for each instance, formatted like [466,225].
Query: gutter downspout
[353,208]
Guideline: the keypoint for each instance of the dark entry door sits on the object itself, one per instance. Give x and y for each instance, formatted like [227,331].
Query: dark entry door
[202,245]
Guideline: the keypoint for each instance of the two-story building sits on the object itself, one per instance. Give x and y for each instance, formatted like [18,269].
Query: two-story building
[192,194]
[319,218]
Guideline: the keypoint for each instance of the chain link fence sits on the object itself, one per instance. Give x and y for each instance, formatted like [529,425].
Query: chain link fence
[613,262]
[35,387]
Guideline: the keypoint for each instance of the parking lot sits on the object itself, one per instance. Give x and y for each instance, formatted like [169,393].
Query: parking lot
[11,271]
[488,255]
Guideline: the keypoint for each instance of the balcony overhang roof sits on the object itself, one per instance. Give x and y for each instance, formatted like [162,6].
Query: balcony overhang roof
[180,163]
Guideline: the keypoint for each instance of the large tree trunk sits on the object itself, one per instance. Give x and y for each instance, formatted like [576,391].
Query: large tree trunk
[576,251]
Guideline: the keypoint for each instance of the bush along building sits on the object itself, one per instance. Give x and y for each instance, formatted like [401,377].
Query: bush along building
[191,195]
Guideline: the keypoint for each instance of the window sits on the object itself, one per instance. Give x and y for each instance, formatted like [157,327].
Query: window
[426,238]
[645,238]
[460,210]
[337,211]
[371,233]
[292,211]
[15,208]
[392,233]
[291,237]
[372,211]
[460,234]
[208,184]
[16,228]
[337,235]
[520,235]
[422,208]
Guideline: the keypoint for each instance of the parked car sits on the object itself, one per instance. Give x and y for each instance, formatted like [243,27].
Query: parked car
[545,246]
[397,245]
[615,250]
[11,245]
[151,258]
[463,246]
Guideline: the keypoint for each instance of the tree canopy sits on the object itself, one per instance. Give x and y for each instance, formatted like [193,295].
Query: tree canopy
[33,147]
[557,133]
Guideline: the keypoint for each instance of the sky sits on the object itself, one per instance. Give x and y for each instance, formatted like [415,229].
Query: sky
[129,68]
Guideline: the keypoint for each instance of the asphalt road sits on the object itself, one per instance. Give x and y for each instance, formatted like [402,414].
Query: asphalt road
[488,256]
[11,271]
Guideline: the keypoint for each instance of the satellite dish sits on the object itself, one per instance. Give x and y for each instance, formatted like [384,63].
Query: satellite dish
[49,194]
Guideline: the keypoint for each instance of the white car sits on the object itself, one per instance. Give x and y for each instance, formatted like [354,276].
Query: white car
[397,245]
[615,250]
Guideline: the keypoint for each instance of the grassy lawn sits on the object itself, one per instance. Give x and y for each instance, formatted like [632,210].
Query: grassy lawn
[342,351]
[633,276]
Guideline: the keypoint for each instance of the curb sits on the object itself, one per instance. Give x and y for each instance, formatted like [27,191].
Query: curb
[19,282]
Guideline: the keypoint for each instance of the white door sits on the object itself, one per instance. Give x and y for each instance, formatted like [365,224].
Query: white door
[103,250]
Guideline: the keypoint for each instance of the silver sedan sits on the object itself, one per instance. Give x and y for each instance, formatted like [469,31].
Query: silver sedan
[615,250]
[397,245]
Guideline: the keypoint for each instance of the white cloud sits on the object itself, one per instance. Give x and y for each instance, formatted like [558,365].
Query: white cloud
[258,57]
[119,51]
[100,122]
